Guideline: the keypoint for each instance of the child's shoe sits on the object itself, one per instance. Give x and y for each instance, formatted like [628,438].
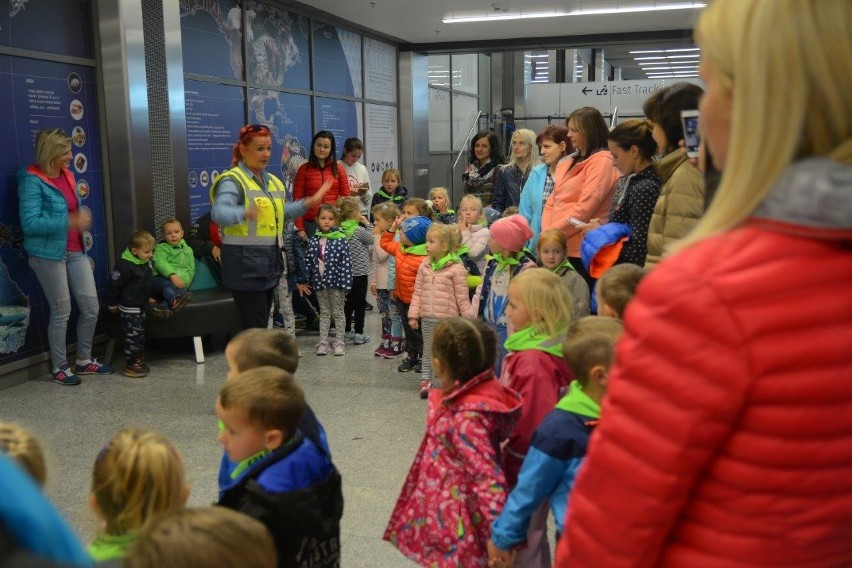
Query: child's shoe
[136,369]
[65,376]
[425,385]
[397,348]
[93,367]
[418,368]
[407,365]
[160,311]
[339,348]
[384,346]
[361,339]
[322,348]
[349,336]
[277,320]
[180,301]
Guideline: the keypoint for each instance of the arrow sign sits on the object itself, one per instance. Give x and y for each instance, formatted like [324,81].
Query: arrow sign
[587,90]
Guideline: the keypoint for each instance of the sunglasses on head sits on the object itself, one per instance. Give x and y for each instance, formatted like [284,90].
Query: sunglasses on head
[253,129]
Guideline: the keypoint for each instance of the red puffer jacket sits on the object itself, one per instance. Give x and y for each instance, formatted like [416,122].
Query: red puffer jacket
[407,266]
[726,437]
[309,179]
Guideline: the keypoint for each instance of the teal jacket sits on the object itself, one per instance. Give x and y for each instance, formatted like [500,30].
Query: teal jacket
[44,213]
[176,259]
[531,205]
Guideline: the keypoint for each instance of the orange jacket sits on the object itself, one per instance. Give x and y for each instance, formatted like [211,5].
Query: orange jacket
[407,266]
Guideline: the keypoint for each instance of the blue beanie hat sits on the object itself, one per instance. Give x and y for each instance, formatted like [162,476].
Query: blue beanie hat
[415,229]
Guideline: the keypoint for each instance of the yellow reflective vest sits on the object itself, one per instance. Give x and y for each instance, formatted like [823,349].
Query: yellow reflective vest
[267,228]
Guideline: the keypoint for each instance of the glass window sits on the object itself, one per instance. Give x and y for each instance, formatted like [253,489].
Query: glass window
[439,121]
[465,110]
[465,73]
[439,70]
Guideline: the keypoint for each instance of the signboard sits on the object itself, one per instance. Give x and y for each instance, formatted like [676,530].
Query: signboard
[381,136]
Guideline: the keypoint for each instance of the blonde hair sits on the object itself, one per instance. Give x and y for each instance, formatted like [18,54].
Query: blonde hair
[349,207]
[618,285]
[22,446]
[269,396]
[448,235]
[265,347]
[589,342]
[211,537]
[478,203]
[387,210]
[50,143]
[443,191]
[529,137]
[776,59]
[548,301]
[137,476]
[170,222]
[554,236]
[139,239]
[392,172]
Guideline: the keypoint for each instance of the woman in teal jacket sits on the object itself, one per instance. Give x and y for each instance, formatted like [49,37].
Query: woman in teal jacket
[553,145]
[53,226]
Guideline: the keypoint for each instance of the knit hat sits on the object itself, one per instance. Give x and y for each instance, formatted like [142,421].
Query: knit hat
[511,232]
[415,229]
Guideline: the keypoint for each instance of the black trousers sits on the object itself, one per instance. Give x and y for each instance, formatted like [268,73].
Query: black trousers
[356,303]
[413,337]
[254,307]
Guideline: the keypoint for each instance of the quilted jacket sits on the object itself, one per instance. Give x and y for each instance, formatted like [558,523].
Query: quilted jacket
[476,238]
[406,266]
[309,179]
[726,436]
[440,294]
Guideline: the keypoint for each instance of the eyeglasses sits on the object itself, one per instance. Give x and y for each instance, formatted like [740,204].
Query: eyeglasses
[253,129]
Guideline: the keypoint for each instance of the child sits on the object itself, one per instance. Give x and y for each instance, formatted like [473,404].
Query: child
[292,487]
[409,252]
[508,259]
[137,476]
[475,234]
[559,443]
[211,537]
[551,250]
[129,293]
[282,311]
[539,310]
[22,446]
[616,288]
[440,291]
[392,190]
[509,211]
[441,211]
[416,207]
[455,487]
[359,236]
[330,272]
[383,283]
[174,264]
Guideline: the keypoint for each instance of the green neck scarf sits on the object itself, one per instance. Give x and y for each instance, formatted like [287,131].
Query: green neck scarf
[504,263]
[528,338]
[417,250]
[349,227]
[394,197]
[443,261]
[243,465]
[578,402]
[334,233]
[563,267]
[130,257]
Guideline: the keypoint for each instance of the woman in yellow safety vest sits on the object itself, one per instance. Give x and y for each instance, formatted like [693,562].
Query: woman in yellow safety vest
[249,205]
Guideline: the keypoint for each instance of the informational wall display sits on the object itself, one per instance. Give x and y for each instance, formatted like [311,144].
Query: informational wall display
[211,37]
[278,54]
[288,117]
[61,27]
[379,71]
[337,56]
[381,141]
[214,116]
[341,118]
[44,94]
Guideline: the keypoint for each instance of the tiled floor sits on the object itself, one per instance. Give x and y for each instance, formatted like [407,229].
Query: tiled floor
[372,414]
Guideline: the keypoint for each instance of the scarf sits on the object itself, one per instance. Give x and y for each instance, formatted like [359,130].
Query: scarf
[334,233]
[349,227]
[578,402]
[418,250]
[529,338]
[443,261]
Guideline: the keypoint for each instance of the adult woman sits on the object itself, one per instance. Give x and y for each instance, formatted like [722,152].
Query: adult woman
[485,156]
[359,179]
[584,182]
[322,167]
[681,201]
[510,179]
[553,145]
[52,224]
[728,431]
[248,204]
[632,147]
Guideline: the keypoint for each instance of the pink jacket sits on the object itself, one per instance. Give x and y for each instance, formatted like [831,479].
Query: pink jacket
[379,273]
[584,193]
[476,238]
[455,488]
[441,294]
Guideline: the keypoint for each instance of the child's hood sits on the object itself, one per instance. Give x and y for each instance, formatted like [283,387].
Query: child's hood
[483,393]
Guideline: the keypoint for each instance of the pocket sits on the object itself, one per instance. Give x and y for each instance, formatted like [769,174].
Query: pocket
[255,263]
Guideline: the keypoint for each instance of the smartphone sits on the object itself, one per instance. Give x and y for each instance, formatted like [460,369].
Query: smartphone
[689,120]
[576,222]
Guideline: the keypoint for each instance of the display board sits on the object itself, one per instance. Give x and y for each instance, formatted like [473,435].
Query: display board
[211,38]
[381,141]
[340,117]
[379,71]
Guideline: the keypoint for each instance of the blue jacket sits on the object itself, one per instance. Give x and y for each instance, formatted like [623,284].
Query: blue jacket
[338,264]
[549,469]
[44,213]
[531,205]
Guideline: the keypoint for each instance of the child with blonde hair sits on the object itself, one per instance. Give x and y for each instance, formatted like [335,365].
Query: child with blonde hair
[455,487]
[359,235]
[22,446]
[474,230]
[440,291]
[174,265]
[441,211]
[330,271]
[392,190]
[552,253]
[383,283]
[210,537]
[137,476]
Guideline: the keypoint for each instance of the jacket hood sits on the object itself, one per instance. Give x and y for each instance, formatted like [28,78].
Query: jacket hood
[815,193]
[667,165]
[483,393]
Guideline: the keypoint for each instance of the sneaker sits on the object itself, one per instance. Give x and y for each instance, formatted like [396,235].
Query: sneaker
[339,348]
[384,347]
[64,376]
[180,301]
[349,336]
[368,306]
[136,369]
[322,348]
[93,367]
[397,348]
[160,311]
[361,339]
[278,320]
[418,367]
[425,385]
[407,365]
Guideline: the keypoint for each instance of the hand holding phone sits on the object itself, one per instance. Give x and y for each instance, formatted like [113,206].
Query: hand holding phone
[576,222]
[691,137]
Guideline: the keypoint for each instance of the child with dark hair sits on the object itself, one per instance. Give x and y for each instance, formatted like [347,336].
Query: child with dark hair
[616,288]
[455,487]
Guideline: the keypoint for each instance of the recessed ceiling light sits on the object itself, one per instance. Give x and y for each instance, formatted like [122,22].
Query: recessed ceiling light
[668,50]
[499,15]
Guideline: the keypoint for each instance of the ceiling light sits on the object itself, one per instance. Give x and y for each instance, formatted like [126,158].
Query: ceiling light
[668,50]
[489,17]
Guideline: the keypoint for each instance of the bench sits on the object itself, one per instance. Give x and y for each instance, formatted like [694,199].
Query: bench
[212,310]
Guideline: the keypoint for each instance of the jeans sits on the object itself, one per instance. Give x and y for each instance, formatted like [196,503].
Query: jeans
[59,279]
[165,290]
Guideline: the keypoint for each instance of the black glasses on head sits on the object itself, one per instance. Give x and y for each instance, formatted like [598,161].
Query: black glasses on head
[253,129]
